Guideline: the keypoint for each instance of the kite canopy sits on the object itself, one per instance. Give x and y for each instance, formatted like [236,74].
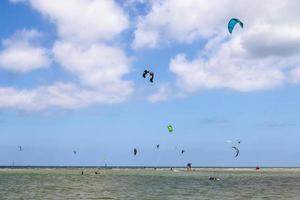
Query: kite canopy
[232,23]
[135,151]
[237,151]
[157,146]
[182,151]
[20,148]
[74,151]
[151,75]
[170,128]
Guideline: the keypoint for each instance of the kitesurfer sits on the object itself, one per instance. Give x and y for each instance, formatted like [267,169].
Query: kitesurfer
[213,178]
[189,167]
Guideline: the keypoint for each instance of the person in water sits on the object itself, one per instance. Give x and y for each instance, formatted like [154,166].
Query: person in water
[189,167]
[213,178]
[82,173]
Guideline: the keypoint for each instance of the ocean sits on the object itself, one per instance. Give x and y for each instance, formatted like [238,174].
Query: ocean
[150,184]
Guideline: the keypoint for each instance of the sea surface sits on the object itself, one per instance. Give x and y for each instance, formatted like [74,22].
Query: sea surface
[69,183]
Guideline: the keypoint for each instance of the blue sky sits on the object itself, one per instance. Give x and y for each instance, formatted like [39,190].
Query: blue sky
[70,78]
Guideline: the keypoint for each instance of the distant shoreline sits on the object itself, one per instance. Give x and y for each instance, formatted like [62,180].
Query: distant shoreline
[147,167]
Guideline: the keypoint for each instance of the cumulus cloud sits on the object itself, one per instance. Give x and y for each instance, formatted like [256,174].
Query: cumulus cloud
[21,54]
[145,38]
[182,21]
[223,71]
[84,20]
[67,96]
[261,56]
[264,40]
[190,20]
[85,48]
[98,66]
[95,65]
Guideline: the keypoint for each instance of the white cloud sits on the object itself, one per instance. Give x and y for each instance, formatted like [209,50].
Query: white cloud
[190,20]
[83,28]
[264,40]
[258,57]
[230,73]
[84,20]
[178,20]
[67,96]
[145,38]
[95,65]
[20,54]
[261,56]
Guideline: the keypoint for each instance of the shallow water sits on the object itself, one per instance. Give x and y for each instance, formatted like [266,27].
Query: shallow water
[148,184]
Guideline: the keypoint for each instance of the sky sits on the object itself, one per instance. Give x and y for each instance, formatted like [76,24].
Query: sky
[71,79]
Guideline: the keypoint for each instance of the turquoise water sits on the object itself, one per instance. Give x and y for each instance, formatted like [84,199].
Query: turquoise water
[149,184]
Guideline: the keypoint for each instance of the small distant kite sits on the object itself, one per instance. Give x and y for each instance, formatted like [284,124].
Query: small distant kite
[232,23]
[170,128]
[151,75]
[182,151]
[157,146]
[74,152]
[237,151]
[135,151]
[230,142]
[20,148]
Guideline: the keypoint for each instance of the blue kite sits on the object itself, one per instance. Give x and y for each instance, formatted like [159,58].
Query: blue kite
[232,23]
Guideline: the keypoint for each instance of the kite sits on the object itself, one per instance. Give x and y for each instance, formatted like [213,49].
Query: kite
[237,151]
[232,23]
[170,128]
[135,151]
[151,74]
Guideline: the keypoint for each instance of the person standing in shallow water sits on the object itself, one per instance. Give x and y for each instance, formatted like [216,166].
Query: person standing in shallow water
[82,173]
[189,167]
